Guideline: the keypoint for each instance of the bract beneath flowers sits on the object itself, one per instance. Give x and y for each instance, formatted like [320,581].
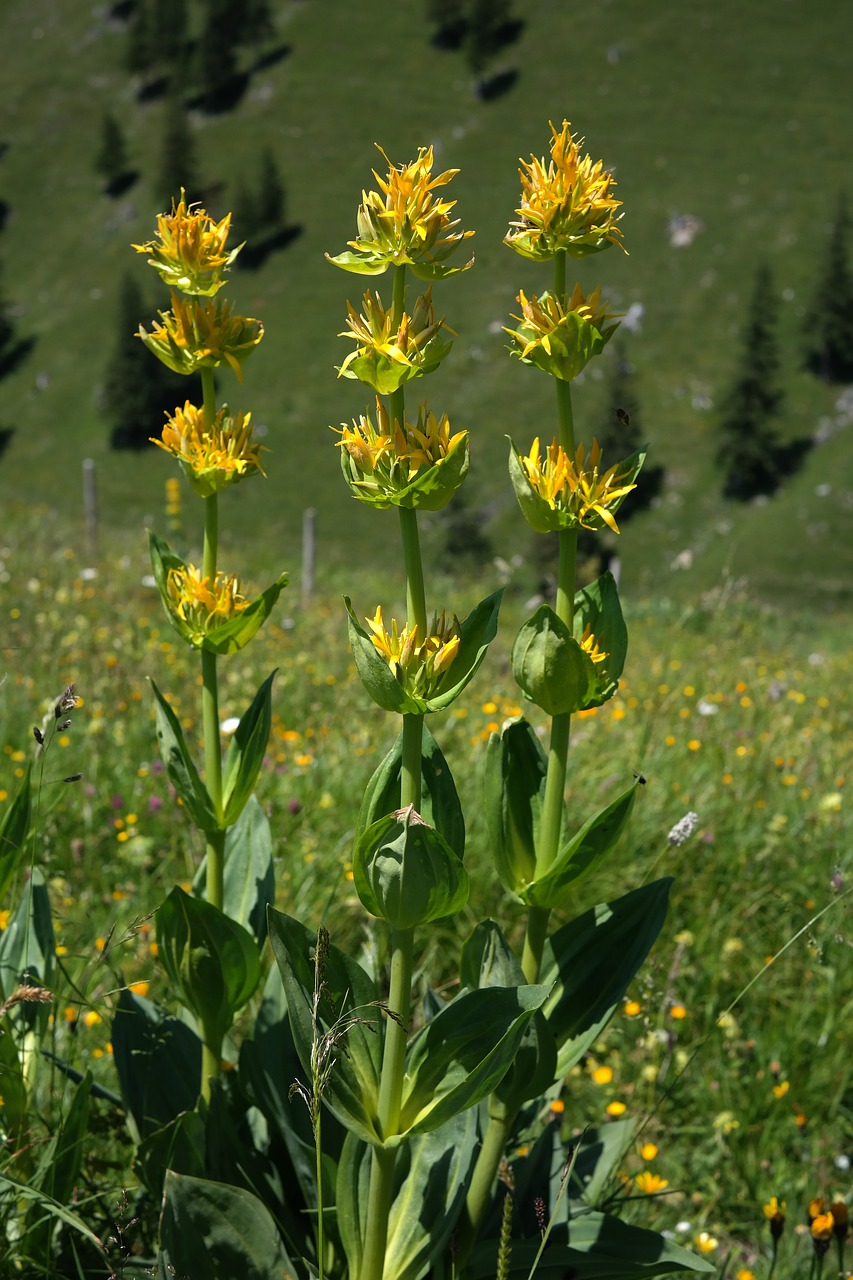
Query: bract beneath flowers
[405,223]
[417,663]
[190,253]
[211,457]
[566,203]
[556,491]
[408,465]
[199,604]
[196,335]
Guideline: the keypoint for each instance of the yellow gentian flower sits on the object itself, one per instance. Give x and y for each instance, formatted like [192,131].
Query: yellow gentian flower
[190,253]
[410,464]
[196,335]
[417,664]
[560,336]
[573,487]
[387,356]
[202,605]
[566,204]
[211,457]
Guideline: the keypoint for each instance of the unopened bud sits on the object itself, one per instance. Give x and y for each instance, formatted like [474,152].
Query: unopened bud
[38,735]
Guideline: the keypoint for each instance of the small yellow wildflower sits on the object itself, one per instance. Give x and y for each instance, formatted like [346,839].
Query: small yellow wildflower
[632,1008]
[573,487]
[602,1075]
[774,1211]
[616,1108]
[566,205]
[744,1273]
[648,1151]
[190,254]
[213,456]
[417,664]
[816,1207]
[650,1182]
[779,1090]
[822,1230]
[705,1242]
[91,1018]
[200,604]
[405,222]
[196,335]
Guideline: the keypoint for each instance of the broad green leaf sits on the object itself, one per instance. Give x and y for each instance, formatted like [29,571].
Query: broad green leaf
[245,753]
[14,829]
[514,786]
[597,607]
[463,1052]
[71,1141]
[234,635]
[180,768]
[350,997]
[488,961]
[248,882]
[212,961]
[599,1156]
[179,1145]
[158,1061]
[219,1232]
[406,873]
[550,666]
[440,804]
[590,962]
[27,956]
[20,1191]
[600,1247]
[351,1194]
[582,854]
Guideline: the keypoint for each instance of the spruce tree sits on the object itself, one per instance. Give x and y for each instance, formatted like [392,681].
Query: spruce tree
[140,54]
[216,66]
[622,432]
[487,21]
[828,329]
[177,160]
[270,201]
[749,451]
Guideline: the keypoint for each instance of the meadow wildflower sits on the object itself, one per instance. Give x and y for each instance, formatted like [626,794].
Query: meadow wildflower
[650,1182]
[406,223]
[417,664]
[212,456]
[391,351]
[648,1151]
[774,1212]
[822,1230]
[683,829]
[566,203]
[560,336]
[705,1242]
[418,464]
[190,252]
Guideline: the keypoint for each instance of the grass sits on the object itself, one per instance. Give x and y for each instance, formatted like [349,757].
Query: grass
[676,98]
[729,712]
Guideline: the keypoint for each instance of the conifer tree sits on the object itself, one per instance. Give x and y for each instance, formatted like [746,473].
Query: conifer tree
[271,196]
[217,58]
[177,160]
[484,34]
[111,161]
[828,326]
[622,431]
[140,54]
[749,452]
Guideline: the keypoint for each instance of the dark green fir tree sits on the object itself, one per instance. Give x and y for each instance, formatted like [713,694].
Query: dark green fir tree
[111,159]
[177,158]
[828,329]
[485,34]
[622,431]
[749,453]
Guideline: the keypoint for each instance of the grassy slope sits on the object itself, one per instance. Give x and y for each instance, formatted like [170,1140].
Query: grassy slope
[727,111]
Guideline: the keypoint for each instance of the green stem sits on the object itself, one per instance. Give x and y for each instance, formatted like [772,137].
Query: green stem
[415,595]
[215,840]
[318,1153]
[483,1180]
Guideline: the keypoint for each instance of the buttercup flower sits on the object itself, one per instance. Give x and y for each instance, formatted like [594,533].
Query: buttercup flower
[190,253]
[406,223]
[386,357]
[566,204]
[410,465]
[559,336]
[211,458]
[558,492]
[417,664]
[196,335]
[202,605]
[650,1182]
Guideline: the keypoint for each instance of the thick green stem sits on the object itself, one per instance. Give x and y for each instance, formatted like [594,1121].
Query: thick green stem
[415,595]
[483,1181]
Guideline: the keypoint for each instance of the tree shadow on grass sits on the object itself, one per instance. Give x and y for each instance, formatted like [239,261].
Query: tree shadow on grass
[6,434]
[271,57]
[497,85]
[121,183]
[253,256]
[16,355]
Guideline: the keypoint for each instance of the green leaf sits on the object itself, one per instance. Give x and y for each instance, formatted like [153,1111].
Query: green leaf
[158,1062]
[514,785]
[440,804]
[597,606]
[179,1145]
[14,829]
[601,1152]
[353,1094]
[463,1052]
[487,960]
[406,873]
[27,955]
[180,768]
[477,632]
[71,1141]
[360,264]
[217,1231]
[582,854]
[19,1191]
[212,961]
[248,884]
[600,1247]
[246,752]
[234,635]
[550,666]
[386,375]
[589,963]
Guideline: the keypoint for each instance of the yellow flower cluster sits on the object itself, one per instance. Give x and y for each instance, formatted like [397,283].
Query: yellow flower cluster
[201,604]
[195,335]
[418,664]
[544,319]
[575,485]
[389,457]
[190,254]
[566,203]
[211,456]
[403,345]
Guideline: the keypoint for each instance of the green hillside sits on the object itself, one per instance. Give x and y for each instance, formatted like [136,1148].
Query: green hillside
[736,114]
